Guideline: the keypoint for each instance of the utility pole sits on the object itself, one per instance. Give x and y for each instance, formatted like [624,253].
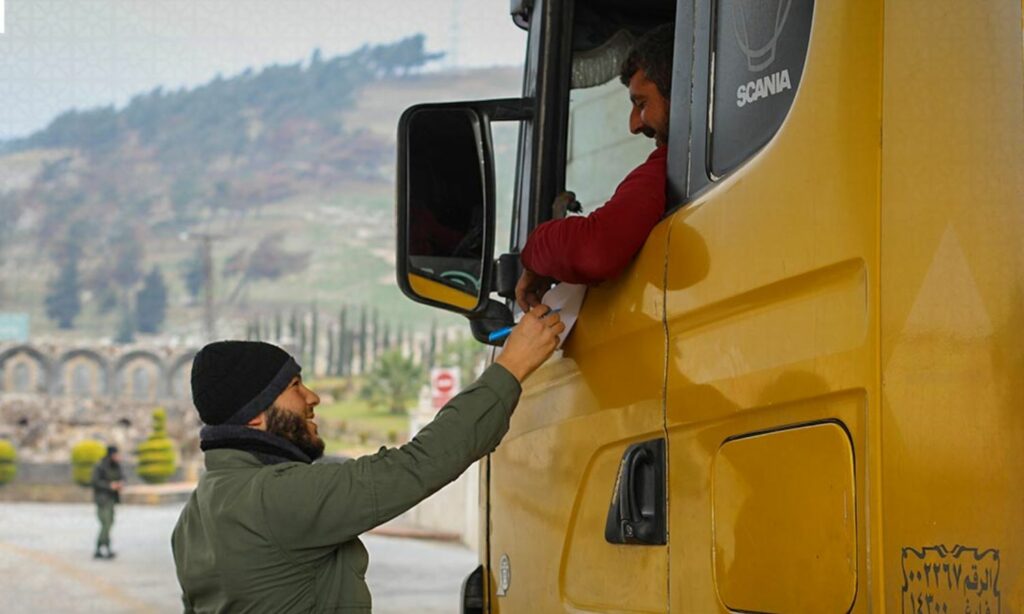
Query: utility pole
[206,240]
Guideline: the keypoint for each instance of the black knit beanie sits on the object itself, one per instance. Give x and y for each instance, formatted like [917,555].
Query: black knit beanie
[233,381]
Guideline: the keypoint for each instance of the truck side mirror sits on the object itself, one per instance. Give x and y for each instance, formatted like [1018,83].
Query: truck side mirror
[445,206]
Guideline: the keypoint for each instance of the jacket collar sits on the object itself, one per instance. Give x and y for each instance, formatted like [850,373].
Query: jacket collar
[267,448]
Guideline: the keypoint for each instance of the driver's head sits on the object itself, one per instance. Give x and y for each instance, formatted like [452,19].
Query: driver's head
[647,72]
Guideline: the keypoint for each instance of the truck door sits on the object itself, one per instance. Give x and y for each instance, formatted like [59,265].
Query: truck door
[771,307]
[554,477]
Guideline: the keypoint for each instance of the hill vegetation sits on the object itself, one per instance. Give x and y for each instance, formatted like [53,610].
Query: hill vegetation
[287,171]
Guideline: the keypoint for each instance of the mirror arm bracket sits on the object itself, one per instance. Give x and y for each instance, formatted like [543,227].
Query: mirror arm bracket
[506,109]
[495,316]
[506,275]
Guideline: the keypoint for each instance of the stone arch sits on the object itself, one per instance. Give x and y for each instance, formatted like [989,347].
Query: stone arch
[83,373]
[29,363]
[179,375]
[140,375]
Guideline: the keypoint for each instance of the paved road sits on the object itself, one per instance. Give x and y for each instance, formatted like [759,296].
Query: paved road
[46,564]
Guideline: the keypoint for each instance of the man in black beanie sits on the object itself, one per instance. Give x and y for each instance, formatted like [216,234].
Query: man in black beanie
[235,388]
[268,531]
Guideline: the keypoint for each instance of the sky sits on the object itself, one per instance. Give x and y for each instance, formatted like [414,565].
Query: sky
[61,54]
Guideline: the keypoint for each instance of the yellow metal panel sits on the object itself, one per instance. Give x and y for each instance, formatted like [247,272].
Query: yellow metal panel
[952,321]
[826,305]
[771,300]
[552,476]
[784,521]
[598,584]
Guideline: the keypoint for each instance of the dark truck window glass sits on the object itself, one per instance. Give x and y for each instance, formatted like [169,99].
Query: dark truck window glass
[759,52]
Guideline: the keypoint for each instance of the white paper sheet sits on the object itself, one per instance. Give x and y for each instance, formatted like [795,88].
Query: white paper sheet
[569,299]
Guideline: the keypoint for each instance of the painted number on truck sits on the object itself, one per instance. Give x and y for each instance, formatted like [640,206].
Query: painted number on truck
[962,580]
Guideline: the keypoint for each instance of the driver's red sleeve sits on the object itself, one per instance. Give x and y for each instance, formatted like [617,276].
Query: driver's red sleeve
[591,249]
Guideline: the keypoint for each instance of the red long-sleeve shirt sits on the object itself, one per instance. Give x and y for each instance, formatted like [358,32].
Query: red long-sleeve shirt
[591,249]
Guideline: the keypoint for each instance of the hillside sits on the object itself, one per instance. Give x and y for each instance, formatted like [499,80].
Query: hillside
[289,168]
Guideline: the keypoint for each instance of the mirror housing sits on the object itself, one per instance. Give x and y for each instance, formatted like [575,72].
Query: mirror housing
[445,207]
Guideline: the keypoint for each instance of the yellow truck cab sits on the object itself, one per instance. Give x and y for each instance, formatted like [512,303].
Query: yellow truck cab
[806,393]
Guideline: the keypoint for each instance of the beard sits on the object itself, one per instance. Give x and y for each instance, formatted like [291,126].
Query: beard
[292,427]
[658,133]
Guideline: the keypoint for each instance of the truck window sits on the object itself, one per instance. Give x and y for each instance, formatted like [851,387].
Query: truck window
[601,151]
[758,53]
[504,136]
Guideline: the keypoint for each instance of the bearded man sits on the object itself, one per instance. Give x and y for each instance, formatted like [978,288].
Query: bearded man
[266,530]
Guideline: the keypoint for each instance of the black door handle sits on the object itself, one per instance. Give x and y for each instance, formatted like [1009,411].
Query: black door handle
[637,511]
[631,515]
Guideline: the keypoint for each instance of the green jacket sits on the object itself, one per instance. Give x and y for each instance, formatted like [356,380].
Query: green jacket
[284,537]
[103,474]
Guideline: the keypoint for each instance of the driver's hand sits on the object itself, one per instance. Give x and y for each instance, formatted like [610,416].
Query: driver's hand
[563,203]
[531,288]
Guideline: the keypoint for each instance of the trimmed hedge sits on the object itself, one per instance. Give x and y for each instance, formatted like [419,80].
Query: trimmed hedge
[8,461]
[84,456]
[157,459]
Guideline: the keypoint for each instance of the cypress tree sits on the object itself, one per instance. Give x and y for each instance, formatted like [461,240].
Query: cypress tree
[301,322]
[348,352]
[193,274]
[62,300]
[362,340]
[331,355]
[126,327]
[314,337]
[376,333]
[151,303]
[432,347]
[425,354]
[342,365]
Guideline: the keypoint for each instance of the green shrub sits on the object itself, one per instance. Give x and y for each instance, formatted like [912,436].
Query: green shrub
[157,459]
[84,456]
[8,464]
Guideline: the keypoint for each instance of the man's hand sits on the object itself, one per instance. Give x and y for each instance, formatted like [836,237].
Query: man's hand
[563,204]
[530,289]
[531,343]
[116,486]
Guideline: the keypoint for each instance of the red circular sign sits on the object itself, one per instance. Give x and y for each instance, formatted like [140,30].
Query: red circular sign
[444,382]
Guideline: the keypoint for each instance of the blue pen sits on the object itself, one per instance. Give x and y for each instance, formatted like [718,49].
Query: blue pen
[501,333]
